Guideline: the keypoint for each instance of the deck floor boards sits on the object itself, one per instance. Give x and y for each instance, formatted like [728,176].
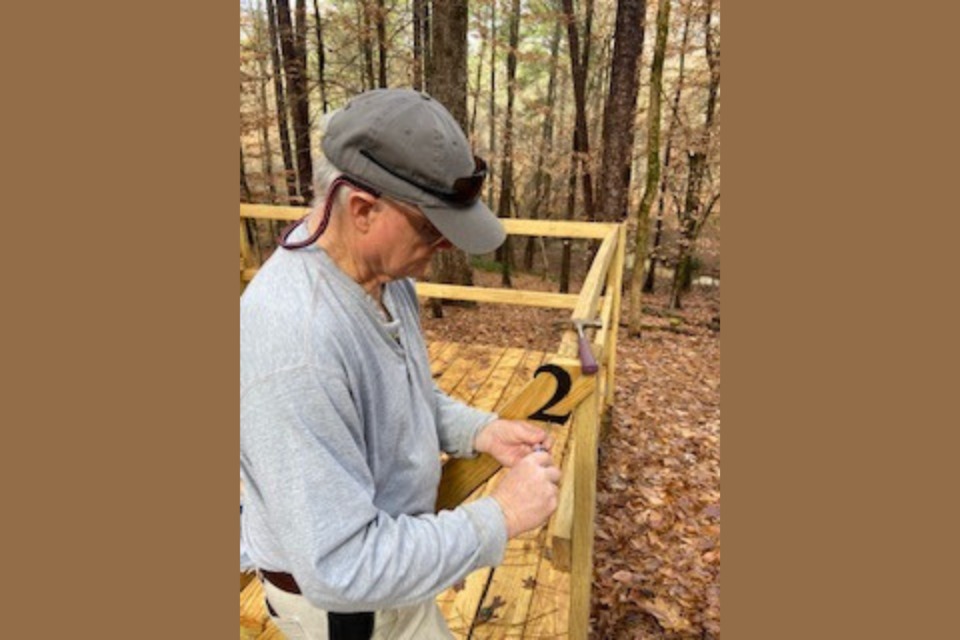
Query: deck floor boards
[525,597]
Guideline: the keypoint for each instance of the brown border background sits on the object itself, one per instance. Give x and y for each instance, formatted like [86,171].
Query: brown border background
[839,150]
[119,482]
[119,479]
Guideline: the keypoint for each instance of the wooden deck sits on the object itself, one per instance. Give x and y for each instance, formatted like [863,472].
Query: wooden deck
[526,596]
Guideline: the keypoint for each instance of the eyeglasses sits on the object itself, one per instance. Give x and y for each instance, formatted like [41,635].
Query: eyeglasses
[466,189]
[430,235]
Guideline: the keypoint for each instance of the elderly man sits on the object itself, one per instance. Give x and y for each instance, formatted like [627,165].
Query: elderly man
[341,424]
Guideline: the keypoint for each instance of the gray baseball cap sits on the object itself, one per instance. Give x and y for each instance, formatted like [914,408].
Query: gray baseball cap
[407,145]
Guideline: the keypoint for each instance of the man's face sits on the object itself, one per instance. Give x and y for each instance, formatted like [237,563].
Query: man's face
[408,240]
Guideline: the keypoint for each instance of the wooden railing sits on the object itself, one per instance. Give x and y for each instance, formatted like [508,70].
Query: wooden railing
[571,529]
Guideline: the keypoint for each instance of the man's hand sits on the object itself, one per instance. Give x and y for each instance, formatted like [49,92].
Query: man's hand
[528,493]
[509,441]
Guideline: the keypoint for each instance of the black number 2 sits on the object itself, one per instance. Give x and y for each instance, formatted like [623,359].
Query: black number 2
[564,384]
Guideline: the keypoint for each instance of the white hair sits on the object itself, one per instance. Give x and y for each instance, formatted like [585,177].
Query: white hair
[325,172]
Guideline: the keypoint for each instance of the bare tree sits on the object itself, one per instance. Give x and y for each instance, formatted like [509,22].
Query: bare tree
[650,280]
[294,61]
[278,90]
[579,64]
[505,252]
[418,17]
[694,215]
[321,55]
[447,82]
[267,157]
[621,110]
[381,24]
[244,185]
[477,86]
[653,166]
[366,42]
[543,180]
[493,98]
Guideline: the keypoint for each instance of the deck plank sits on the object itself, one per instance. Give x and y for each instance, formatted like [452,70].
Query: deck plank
[465,359]
[443,358]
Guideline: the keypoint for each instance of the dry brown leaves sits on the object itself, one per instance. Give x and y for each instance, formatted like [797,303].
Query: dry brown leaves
[657,545]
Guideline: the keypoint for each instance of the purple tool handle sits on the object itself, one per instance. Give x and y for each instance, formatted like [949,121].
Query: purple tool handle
[588,364]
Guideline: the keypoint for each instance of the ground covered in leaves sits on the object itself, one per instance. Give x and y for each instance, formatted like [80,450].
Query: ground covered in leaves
[657,547]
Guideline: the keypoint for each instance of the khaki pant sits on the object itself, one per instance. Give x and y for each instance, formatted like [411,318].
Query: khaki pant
[297,619]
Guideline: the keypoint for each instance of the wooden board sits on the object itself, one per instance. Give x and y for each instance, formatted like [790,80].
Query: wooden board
[497,296]
[553,394]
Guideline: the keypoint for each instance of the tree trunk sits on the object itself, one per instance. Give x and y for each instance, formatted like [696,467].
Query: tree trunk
[580,155]
[447,82]
[506,179]
[267,159]
[427,40]
[418,9]
[321,56]
[543,180]
[245,195]
[381,21]
[621,110]
[579,64]
[693,217]
[295,69]
[653,167]
[476,91]
[493,100]
[288,168]
[366,43]
[650,281]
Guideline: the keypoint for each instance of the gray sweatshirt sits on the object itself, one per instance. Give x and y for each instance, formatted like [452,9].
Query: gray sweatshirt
[341,425]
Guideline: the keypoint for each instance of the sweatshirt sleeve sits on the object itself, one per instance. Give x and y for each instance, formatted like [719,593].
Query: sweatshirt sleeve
[458,424]
[310,483]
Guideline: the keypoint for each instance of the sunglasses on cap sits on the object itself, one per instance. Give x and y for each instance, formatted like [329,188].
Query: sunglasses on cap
[465,189]
[421,224]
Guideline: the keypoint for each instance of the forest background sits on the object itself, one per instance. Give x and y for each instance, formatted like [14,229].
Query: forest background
[603,110]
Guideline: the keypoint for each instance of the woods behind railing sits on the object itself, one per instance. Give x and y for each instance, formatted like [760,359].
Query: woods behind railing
[571,529]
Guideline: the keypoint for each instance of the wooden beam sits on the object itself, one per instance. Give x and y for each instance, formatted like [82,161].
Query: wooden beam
[588,300]
[614,291]
[462,476]
[559,531]
[557,228]
[272,212]
[585,431]
[513,226]
[497,296]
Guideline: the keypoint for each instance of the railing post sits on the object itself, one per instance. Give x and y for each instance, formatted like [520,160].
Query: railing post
[586,427]
[615,289]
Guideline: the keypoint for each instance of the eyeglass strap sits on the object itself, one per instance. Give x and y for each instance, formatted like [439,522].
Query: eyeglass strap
[327,208]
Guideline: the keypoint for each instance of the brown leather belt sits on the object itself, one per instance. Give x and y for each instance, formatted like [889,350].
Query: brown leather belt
[282,581]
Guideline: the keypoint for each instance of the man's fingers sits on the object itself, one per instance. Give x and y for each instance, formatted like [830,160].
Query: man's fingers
[553,475]
[542,458]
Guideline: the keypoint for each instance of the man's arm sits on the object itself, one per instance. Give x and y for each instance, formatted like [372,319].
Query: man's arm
[309,485]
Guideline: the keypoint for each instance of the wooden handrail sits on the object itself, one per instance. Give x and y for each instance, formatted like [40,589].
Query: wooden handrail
[497,296]
[513,226]
[589,298]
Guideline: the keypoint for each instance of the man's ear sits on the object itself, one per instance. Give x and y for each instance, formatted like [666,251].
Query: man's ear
[360,205]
